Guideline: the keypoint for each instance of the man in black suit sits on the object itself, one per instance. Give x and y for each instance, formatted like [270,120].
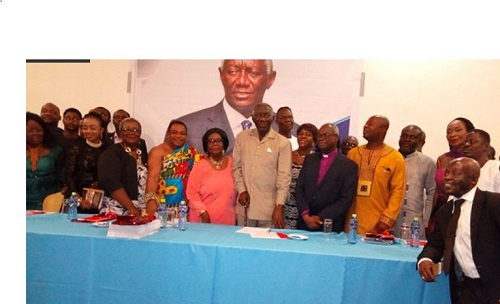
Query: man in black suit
[474,245]
[113,137]
[245,83]
[327,183]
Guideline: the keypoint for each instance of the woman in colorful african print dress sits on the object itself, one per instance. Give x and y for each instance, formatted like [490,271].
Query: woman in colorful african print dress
[169,166]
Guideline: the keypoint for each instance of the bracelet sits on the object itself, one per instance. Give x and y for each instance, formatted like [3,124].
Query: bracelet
[150,196]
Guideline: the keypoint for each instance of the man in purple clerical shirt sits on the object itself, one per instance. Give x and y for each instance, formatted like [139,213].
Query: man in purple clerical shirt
[326,185]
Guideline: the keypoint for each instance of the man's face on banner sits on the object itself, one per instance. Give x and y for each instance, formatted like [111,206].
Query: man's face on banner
[245,82]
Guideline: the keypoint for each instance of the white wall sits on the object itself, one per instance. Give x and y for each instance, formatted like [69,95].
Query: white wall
[425,93]
[80,85]
[432,93]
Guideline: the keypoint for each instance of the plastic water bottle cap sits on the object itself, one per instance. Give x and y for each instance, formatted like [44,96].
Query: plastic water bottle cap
[73,193]
[415,218]
[354,215]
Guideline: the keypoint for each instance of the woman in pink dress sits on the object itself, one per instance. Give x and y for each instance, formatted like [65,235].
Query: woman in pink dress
[210,188]
[455,135]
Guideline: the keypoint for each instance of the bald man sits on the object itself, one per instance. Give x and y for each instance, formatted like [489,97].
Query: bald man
[381,179]
[51,115]
[348,144]
[475,258]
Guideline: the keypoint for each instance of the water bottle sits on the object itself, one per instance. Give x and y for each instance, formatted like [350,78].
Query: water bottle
[162,212]
[72,205]
[352,237]
[404,237]
[183,210]
[415,233]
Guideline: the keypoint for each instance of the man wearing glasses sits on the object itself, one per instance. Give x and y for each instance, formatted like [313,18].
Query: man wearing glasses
[326,185]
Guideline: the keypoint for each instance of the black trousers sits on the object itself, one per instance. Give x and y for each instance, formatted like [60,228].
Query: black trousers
[474,291]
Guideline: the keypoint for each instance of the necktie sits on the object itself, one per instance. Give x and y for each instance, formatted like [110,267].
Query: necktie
[450,235]
[246,124]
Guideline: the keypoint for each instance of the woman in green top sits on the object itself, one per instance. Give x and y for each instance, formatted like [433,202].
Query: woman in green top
[44,168]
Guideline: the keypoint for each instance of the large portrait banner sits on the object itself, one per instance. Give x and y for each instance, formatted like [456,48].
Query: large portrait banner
[317,91]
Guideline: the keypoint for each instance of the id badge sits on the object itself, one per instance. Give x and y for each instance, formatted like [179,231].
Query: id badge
[364,188]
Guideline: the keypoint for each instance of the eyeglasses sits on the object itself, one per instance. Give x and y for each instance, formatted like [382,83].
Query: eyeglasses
[131,130]
[347,144]
[215,141]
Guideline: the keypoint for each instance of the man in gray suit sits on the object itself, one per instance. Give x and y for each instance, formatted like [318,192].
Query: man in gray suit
[245,83]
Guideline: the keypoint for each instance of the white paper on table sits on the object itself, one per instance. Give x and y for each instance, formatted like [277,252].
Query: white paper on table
[260,233]
[247,230]
[250,230]
[266,234]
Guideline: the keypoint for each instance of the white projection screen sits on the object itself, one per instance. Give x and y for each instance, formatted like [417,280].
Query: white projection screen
[317,91]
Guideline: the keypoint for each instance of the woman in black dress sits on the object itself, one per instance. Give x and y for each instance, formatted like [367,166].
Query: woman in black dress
[81,163]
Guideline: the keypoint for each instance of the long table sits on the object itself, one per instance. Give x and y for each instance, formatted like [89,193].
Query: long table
[69,262]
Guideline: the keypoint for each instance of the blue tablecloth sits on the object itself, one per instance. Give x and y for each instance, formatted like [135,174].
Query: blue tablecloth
[77,263]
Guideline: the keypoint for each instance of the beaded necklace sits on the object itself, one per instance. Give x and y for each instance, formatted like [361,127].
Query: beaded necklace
[138,152]
[216,163]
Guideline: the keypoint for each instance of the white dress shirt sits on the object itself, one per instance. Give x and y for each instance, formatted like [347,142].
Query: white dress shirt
[462,247]
[235,118]
[489,179]
[295,144]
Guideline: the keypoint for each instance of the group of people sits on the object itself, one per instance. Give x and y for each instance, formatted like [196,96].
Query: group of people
[261,169]
[67,160]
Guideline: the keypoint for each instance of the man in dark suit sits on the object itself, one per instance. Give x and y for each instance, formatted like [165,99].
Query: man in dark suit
[118,116]
[327,183]
[474,244]
[245,83]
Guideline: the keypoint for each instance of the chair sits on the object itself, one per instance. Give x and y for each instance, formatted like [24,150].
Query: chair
[53,202]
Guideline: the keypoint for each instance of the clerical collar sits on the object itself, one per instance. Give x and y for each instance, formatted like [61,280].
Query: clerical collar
[333,153]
